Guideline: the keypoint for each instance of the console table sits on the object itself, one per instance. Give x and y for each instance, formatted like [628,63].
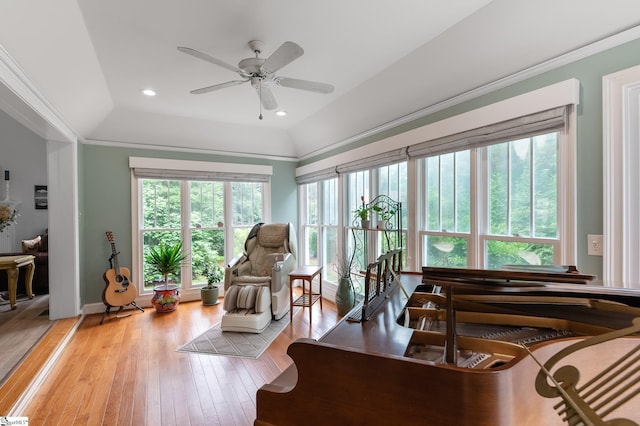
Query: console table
[307,299]
[11,265]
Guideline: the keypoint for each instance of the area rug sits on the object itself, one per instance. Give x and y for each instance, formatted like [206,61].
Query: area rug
[228,343]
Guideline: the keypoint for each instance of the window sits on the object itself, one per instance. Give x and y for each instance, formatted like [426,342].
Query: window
[194,212]
[207,213]
[209,207]
[446,210]
[247,206]
[390,180]
[515,189]
[358,191]
[319,212]
[522,202]
[479,189]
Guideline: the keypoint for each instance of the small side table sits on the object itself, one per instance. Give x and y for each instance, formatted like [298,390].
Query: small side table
[11,264]
[307,299]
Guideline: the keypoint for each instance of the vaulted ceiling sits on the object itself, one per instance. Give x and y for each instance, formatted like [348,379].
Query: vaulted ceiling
[90,59]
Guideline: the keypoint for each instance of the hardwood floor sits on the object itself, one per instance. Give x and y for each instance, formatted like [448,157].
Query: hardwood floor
[21,329]
[127,371]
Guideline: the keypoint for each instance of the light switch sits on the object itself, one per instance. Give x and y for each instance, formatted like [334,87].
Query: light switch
[594,245]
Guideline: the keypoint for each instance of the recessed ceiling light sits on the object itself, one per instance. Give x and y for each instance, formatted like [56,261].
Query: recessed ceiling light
[149,92]
[281,113]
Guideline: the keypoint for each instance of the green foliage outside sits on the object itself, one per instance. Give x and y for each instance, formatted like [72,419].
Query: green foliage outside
[522,203]
[162,222]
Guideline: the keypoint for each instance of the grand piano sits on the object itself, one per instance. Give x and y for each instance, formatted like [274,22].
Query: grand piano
[468,347]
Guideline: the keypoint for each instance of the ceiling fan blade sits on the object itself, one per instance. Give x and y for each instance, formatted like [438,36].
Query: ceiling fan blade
[311,86]
[217,87]
[211,59]
[285,54]
[266,97]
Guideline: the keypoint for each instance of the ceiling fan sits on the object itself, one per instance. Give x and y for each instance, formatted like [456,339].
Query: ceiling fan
[261,72]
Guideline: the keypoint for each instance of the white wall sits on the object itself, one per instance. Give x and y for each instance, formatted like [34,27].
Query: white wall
[24,154]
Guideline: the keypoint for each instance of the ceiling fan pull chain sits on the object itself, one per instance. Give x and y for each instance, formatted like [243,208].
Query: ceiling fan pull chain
[260,93]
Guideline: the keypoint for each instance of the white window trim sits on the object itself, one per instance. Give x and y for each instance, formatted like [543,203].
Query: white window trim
[567,195]
[198,166]
[621,196]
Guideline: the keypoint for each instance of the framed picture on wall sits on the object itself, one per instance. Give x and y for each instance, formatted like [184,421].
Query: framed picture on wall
[40,197]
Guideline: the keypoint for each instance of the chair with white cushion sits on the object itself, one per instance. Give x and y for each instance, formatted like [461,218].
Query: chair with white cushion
[257,282]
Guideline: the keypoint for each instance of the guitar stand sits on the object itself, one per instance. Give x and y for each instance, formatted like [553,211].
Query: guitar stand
[120,308]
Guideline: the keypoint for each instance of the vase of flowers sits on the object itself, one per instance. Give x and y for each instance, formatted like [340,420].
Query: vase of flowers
[8,216]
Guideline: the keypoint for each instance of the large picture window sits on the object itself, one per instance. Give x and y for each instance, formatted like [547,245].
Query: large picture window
[208,209]
[504,213]
[194,212]
[481,189]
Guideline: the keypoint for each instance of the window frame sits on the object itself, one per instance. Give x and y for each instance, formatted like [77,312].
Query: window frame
[479,234]
[322,225]
[184,170]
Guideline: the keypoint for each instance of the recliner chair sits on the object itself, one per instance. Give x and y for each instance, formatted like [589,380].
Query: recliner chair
[257,282]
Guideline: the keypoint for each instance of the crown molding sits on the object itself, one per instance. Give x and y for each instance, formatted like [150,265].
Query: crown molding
[28,105]
[133,145]
[557,62]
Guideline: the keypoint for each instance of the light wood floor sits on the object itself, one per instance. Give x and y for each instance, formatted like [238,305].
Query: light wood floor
[20,329]
[127,371]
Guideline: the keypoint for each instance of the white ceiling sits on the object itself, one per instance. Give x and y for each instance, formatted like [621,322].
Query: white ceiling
[386,59]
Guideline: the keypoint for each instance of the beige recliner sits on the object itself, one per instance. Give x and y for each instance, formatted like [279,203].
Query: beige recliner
[257,282]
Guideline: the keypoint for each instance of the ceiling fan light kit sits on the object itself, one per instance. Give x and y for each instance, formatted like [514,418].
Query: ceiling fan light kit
[260,72]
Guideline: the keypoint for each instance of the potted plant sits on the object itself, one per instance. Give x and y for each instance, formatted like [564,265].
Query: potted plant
[210,293]
[166,259]
[363,213]
[384,215]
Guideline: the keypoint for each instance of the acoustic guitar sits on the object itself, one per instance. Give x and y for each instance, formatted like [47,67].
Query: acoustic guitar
[119,290]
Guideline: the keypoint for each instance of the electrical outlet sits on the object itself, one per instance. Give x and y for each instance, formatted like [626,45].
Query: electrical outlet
[594,245]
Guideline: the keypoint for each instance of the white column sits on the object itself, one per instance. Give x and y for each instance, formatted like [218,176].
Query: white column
[64,271]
